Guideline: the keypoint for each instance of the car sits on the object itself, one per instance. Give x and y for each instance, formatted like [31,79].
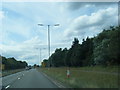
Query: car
[28,68]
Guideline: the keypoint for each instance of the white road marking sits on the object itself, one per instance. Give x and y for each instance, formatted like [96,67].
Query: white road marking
[18,78]
[23,74]
[7,86]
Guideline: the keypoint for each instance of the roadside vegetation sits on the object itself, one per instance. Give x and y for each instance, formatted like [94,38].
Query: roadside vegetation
[102,49]
[11,65]
[8,72]
[85,77]
[94,63]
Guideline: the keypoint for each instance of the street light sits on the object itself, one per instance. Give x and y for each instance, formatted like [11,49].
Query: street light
[40,54]
[56,24]
[48,27]
[40,24]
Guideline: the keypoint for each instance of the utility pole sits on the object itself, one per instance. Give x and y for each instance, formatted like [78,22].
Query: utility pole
[48,28]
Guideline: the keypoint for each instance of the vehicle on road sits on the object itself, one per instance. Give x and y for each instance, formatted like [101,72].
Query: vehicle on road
[28,68]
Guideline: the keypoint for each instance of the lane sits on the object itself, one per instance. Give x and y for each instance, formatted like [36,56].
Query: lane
[32,79]
[11,78]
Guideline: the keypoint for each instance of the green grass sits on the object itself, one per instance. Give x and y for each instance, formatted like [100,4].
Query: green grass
[85,77]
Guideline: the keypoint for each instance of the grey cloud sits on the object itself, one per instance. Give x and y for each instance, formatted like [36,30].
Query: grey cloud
[78,5]
[75,5]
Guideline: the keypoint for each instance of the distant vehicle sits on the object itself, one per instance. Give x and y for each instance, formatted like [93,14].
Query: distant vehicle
[28,68]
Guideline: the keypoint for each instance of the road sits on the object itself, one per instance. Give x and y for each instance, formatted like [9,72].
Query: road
[27,79]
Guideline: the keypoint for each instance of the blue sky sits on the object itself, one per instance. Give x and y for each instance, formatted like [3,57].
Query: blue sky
[21,35]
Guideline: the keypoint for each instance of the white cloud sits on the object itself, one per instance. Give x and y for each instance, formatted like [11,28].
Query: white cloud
[22,51]
[89,25]
[1,15]
[34,40]
[27,50]
[21,34]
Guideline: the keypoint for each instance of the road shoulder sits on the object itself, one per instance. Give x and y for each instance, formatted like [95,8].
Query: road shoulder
[57,83]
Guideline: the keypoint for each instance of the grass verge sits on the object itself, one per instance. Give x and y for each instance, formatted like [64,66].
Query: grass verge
[8,72]
[85,77]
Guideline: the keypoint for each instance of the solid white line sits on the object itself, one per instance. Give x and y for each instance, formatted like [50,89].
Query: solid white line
[7,86]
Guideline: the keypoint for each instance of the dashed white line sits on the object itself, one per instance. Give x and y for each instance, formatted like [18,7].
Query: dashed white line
[7,86]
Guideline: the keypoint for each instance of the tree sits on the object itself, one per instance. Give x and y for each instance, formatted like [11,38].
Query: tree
[106,47]
[12,63]
[102,49]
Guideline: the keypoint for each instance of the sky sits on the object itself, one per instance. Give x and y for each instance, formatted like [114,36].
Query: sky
[21,36]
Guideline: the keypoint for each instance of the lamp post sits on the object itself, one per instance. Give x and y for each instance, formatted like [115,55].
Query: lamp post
[40,54]
[48,28]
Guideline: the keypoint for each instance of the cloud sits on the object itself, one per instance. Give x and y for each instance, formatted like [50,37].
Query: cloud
[28,50]
[77,5]
[90,25]
[35,40]
[22,51]
[1,15]
[21,35]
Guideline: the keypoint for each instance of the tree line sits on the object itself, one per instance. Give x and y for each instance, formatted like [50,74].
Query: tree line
[12,63]
[102,49]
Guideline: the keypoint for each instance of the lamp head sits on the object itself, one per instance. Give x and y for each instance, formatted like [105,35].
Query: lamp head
[40,24]
[56,24]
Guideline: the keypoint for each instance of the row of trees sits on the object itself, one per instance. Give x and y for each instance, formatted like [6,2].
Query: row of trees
[100,50]
[12,63]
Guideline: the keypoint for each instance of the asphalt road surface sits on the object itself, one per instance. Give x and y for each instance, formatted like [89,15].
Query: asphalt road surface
[27,79]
